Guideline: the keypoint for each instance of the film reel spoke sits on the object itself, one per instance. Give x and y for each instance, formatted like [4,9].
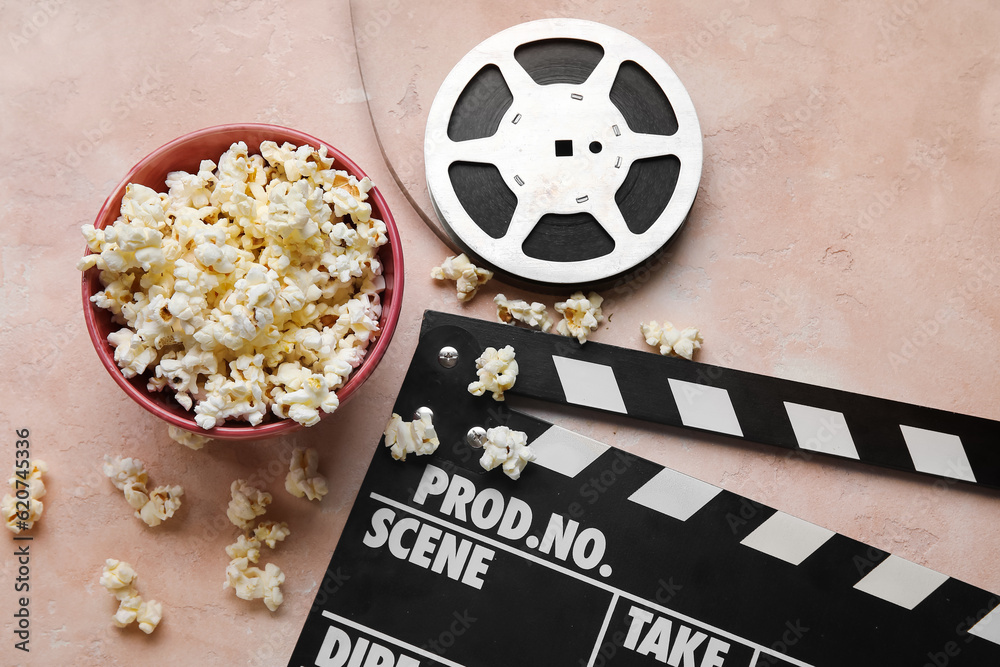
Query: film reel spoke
[638,146]
[518,80]
[473,150]
[611,219]
[522,223]
[603,77]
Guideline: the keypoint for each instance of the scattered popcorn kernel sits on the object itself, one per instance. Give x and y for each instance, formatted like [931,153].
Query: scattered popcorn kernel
[25,486]
[303,478]
[416,437]
[163,502]
[270,533]
[153,507]
[468,277]
[248,265]
[533,314]
[252,583]
[497,372]
[671,341]
[187,438]
[128,609]
[245,547]
[120,579]
[124,471]
[581,315]
[506,448]
[247,504]
[149,615]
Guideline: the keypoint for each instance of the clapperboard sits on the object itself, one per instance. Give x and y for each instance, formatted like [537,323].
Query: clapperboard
[442,563]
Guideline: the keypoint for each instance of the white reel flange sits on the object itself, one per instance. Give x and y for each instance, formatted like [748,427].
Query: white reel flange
[562,151]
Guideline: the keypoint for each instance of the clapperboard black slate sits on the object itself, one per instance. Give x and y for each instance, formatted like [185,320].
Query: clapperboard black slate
[441,563]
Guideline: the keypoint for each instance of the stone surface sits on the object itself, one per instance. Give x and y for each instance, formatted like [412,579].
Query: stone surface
[845,234]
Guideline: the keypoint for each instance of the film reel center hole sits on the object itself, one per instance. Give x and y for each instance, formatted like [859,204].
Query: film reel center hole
[595,147]
[564,148]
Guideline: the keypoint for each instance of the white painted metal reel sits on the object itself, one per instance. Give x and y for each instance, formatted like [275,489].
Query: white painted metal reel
[562,151]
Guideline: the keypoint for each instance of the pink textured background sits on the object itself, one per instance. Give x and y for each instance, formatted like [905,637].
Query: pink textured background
[811,117]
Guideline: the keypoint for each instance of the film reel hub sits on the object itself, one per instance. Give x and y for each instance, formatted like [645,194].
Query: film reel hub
[562,152]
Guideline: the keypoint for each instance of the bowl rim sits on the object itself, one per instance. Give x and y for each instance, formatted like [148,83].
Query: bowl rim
[387,321]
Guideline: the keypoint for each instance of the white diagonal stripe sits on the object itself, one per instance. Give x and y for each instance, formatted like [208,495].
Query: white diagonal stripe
[787,537]
[901,582]
[702,406]
[566,452]
[589,384]
[989,627]
[675,494]
[821,430]
[937,453]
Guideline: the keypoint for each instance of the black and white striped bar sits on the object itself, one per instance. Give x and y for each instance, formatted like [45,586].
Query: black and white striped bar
[763,409]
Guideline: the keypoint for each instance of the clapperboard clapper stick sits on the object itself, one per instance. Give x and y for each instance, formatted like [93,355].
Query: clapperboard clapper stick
[441,563]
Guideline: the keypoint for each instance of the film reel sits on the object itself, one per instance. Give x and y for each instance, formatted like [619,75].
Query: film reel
[562,151]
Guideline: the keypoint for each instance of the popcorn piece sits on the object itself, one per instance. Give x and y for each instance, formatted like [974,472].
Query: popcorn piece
[153,507]
[126,471]
[226,277]
[468,277]
[149,615]
[581,314]
[270,533]
[245,547]
[497,372]
[303,404]
[187,438]
[507,448]
[247,504]
[26,486]
[252,583]
[163,502]
[303,478]
[671,341]
[120,579]
[534,314]
[416,437]
[128,610]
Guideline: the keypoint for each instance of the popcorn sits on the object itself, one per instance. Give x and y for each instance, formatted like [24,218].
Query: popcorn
[581,314]
[247,504]
[187,438]
[303,404]
[245,547]
[270,533]
[671,341]
[303,478]
[149,615]
[163,502]
[416,437]
[468,277]
[497,372]
[26,486]
[245,266]
[534,314]
[120,579]
[252,583]
[153,507]
[506,448]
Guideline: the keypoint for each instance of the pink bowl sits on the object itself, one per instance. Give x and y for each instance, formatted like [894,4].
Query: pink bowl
[186,153]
